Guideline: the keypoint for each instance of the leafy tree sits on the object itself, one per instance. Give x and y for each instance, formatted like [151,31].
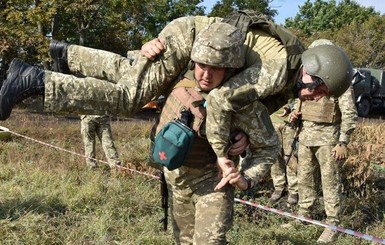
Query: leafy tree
[364,42]
[224,7]
[328,15]
[114,25]
[23,29]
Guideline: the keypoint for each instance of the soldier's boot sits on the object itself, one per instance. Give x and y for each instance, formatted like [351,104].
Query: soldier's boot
[292,199]
[23,81]
[277,194]
[58,53]
[327,236]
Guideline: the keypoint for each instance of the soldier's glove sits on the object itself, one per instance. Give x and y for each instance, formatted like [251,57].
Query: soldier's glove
[340,151]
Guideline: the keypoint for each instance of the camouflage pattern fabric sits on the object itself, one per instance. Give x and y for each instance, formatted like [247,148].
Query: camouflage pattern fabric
[200,215]
[316,143]
[316,134]
[310,158]
[112,84]
[265,75]
[263,150]
[93,126]
[285,175]
[108,83]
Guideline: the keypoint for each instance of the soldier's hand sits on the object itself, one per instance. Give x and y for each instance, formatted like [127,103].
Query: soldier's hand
[224,164]
[340,151]
[153,48]
[233,177]
[286,111]
[240,143]
[294,116]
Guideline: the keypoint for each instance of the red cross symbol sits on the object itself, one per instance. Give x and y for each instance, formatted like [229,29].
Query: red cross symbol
[162,155]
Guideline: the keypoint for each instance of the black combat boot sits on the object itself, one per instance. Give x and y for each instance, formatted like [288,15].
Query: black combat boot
[58,52]
[23,81]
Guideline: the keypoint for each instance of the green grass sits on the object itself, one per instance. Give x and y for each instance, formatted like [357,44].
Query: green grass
[49,196]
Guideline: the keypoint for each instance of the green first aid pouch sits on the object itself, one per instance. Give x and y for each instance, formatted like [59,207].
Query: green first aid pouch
[172,144]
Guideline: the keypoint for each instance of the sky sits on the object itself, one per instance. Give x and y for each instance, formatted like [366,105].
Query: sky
[289,8]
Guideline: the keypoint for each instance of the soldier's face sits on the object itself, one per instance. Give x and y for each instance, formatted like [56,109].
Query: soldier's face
[312,93]
[208,77]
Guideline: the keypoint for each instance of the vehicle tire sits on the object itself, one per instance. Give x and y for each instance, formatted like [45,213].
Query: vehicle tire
[363,107]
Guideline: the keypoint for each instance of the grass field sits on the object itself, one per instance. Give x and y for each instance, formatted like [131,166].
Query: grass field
[49,196]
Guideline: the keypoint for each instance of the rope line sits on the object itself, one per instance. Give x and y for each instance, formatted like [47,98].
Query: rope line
[81,155]
[269,209]
[316,222]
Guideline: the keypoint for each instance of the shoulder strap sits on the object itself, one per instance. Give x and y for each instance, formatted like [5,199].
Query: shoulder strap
[185,83]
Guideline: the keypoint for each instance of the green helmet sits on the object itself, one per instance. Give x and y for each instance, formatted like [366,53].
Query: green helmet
[331,64]
[321,41]
[220,45]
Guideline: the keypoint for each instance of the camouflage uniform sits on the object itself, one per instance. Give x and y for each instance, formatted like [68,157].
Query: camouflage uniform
[317,140]
[284,174]
[95,125]
[115,85]
[199,214]
[122,87]
[266,74]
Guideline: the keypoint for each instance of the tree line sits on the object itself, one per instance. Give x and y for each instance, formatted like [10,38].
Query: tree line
[121,25]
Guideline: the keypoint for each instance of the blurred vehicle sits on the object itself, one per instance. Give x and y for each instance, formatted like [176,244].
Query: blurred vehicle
[369,90]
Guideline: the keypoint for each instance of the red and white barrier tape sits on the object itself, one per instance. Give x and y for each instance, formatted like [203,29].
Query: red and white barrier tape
[273,210]
[316,222]
[75,153]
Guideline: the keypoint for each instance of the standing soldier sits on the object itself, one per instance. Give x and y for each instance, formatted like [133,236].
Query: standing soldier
[200,214]
[327,125]
[284,171]
[95,125]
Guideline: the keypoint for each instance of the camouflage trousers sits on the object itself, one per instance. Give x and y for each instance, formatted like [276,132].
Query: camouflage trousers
[108,83]
[309,160]
[284,174]
[199,214]
[92,126]
[263,150]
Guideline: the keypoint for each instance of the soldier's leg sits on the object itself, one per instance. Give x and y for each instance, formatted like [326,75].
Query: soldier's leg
[255,121]
[278,169]
[181,208]
[214,214]
[88,133]
[291,164]
[306,189]
[97,63]
[331,184]
[105,135]
[291,173]
[145,80]
[70,94]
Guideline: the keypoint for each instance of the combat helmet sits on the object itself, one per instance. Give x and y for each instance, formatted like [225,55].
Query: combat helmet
[331,64]
[220,45]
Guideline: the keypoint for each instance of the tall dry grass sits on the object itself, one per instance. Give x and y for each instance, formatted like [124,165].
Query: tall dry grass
[49,196]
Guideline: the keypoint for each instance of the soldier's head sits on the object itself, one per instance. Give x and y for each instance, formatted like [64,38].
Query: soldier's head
[217,51]
[327,71]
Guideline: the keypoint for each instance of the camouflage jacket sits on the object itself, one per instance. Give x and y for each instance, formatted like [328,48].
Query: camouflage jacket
[317,134]
[264,74]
